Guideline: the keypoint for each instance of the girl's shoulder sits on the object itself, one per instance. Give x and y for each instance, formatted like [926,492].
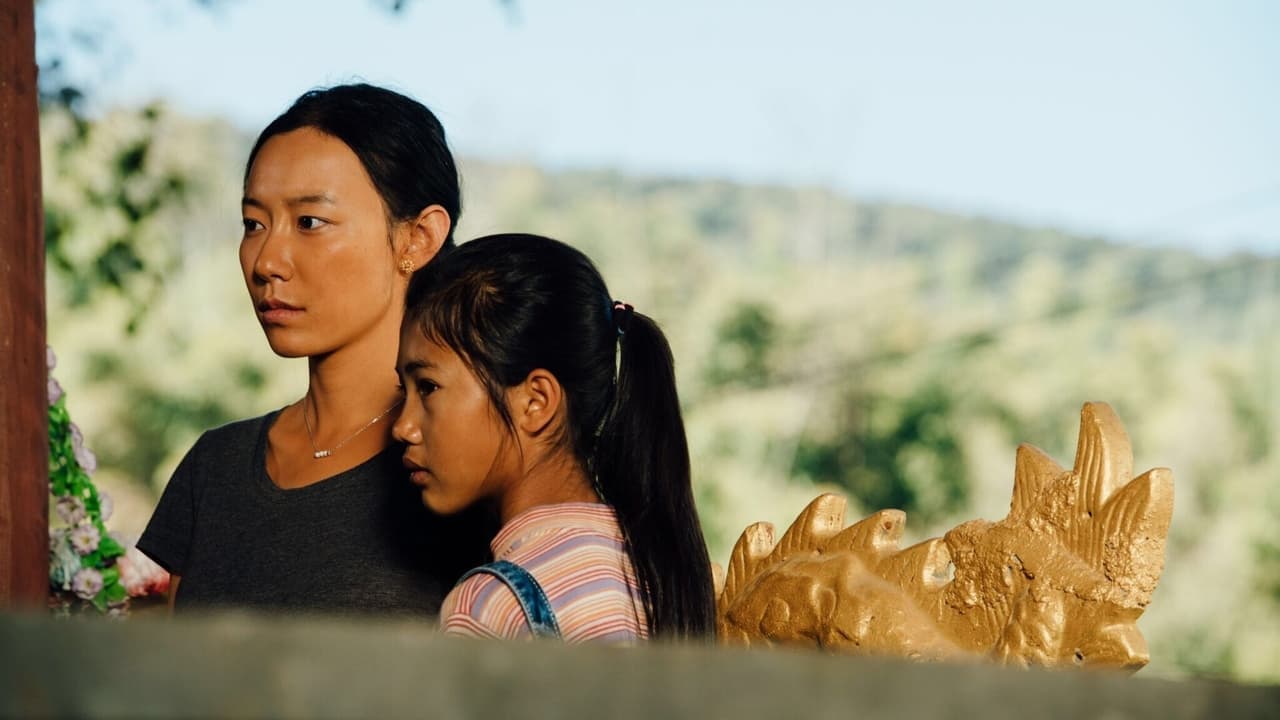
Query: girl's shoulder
[482,606]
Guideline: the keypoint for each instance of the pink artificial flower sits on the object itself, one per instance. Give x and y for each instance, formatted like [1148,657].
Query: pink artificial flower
[85,538]
[50,359]
[87,583]
[140,576]
[55,391]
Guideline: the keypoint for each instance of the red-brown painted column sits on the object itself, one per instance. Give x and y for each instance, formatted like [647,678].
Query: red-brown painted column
[24,442]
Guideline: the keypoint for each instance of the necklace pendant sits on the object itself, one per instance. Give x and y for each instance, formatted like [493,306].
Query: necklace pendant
[322,454]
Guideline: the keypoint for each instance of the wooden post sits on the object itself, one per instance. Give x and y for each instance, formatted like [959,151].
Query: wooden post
[24,433]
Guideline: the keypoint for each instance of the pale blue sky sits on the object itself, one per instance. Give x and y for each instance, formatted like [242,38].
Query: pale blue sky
[1154,122]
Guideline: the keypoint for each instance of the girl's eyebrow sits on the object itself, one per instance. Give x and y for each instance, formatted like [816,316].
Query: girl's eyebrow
[414,366]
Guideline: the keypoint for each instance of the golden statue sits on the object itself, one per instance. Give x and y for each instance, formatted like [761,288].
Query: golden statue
[1059,582]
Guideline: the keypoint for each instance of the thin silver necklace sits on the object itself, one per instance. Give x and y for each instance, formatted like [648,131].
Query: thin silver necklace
[317,453]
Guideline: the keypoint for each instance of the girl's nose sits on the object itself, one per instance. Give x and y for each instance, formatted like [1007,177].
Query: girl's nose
[404,429]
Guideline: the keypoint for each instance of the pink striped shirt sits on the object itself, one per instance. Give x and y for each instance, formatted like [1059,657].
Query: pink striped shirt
[576,553]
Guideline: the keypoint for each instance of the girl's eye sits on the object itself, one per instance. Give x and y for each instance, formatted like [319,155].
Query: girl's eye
[251,225]
[309,222]
[425,387]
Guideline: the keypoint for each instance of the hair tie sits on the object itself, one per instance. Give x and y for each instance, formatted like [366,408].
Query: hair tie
[622,313]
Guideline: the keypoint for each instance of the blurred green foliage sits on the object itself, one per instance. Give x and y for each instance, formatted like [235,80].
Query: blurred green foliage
[889,452]
[892,353]
[740,354]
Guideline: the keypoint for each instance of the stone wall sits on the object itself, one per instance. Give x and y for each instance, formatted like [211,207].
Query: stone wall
[244,666]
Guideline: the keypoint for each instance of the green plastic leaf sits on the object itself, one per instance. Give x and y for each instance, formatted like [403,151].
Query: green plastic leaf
[109,548]
[115,593]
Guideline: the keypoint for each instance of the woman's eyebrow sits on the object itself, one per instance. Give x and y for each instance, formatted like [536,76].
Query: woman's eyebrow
[312,199]
[309,199]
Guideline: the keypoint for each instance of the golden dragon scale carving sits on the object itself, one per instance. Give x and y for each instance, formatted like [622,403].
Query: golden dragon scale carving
[1060,581]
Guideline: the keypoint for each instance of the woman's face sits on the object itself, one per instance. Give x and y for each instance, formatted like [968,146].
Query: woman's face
[457,448]
[315,252]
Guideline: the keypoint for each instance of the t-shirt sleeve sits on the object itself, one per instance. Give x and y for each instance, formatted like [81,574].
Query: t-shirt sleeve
[468,611]
[167,539]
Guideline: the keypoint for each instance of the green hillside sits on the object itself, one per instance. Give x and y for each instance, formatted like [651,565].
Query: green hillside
[896,354]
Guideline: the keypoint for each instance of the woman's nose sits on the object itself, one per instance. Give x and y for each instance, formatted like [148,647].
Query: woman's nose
[272,262]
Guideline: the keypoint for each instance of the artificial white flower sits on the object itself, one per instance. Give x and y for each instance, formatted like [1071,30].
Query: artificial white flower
[84,456]
[64,561]
[85,538]
[71,509]
[105,506]
[87,583]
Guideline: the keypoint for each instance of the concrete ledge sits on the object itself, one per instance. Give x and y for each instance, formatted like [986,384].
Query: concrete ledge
[244,666]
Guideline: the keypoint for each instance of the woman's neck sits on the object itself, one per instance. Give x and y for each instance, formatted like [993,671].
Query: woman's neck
[351,385]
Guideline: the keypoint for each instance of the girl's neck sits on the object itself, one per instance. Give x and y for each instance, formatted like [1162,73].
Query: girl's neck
[549,480]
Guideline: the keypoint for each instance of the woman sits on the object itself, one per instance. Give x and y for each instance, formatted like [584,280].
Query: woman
[346,194]
[528,391]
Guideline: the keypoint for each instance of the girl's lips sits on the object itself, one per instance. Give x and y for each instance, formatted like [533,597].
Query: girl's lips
[419,478]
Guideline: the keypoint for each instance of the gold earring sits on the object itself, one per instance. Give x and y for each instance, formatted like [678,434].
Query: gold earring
[406,266]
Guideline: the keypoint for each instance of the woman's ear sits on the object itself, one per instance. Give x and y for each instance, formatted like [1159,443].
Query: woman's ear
[537,402]
[424,237]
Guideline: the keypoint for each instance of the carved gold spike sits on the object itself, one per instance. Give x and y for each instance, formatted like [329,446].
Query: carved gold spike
[1059,582]
[820,520]
[872,536]
[755,544]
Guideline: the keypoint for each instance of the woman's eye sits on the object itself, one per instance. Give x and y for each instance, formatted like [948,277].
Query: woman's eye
[251,225]
[308,222]
[425,387]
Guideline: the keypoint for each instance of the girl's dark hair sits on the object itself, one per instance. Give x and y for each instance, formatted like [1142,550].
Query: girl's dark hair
[508,304]
[398,140]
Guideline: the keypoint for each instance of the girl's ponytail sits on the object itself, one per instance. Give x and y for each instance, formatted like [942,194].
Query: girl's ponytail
[642,467]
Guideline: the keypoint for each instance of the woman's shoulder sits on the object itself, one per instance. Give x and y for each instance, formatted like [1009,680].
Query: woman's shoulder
[235,436]
[234,444]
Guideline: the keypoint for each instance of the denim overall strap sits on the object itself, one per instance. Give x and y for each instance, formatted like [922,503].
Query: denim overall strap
[533,601]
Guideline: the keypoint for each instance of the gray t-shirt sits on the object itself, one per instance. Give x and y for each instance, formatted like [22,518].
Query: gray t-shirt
[358,542]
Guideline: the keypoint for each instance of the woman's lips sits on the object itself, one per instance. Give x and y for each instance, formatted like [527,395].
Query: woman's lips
[278,316]
[277,312]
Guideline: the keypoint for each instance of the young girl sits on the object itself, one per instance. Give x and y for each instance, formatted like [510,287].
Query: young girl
[529,391]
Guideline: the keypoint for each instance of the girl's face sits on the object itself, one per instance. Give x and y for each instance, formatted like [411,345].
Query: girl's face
[457,447]
[315,252]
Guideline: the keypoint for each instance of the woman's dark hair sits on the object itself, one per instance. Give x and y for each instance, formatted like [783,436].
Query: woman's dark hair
[398,140]
[508,304]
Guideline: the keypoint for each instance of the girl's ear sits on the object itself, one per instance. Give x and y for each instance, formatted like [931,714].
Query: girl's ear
[424,236]
[537,402]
